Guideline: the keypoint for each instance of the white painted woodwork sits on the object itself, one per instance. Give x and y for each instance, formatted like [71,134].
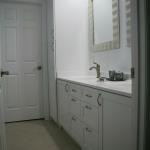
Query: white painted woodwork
[63,105]
[118,122]
[77,130]
[90,96]
[22,54]
[99,120]
[75,90]
[75,106]
[77,117]
[51,60]
[90,139]
[2,120]
[90,115]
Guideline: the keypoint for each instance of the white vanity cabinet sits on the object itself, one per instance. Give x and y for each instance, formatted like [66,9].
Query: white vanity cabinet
[119,118]
[63,91]
[97,120]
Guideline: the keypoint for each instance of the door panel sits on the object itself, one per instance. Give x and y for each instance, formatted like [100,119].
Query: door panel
[11,44]
[31,52]
[21,44]
[30,90]
[10,61]
[12,92]
[30,44]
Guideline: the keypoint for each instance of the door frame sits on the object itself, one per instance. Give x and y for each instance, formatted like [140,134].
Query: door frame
[135,65]
[3,144]
[144,52]
[140,54]
[45,83]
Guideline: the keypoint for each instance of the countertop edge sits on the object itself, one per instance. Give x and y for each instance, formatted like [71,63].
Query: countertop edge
[97,87]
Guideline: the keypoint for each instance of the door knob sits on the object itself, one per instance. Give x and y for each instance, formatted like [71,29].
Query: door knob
[39,68]
[3,73]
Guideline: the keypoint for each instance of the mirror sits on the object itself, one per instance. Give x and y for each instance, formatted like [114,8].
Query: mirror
[104,24]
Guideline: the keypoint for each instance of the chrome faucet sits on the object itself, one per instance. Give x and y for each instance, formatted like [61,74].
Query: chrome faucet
[97,68]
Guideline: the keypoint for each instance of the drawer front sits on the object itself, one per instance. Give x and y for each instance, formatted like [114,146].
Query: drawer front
[90,139]
[90,115]
[76,90]
[75,106]
[77,130]
[92,96]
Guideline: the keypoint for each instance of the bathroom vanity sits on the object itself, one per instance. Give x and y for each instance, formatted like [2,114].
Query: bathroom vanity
[97,115]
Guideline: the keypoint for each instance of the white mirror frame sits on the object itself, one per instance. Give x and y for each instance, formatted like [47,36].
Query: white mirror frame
[128,18]
[110,45]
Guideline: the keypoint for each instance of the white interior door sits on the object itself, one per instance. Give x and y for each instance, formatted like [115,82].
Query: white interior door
[2,121]
[21,51]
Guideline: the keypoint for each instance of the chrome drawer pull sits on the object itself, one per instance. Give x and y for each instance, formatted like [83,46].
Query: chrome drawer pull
[73,90]
[98,100]
[73,119]
[88,130]
[74,100]
[89,96]
[66,88]
[88,107]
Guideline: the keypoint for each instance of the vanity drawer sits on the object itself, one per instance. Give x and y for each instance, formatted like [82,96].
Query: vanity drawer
[90,139]
[77,130]
[76,91]
[90,115]
[92,96]
[75,106]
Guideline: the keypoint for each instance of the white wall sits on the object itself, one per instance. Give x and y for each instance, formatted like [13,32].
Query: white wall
[71,18]
[120,59]
[72,54]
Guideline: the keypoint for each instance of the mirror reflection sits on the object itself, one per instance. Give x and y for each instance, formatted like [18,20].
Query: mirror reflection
[103,21]
[105,24]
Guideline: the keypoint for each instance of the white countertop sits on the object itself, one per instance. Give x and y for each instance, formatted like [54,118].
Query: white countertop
[118,87]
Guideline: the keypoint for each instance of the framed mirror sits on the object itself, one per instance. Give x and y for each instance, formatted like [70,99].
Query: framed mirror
[104,24]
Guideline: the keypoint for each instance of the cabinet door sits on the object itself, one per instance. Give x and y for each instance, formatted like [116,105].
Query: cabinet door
[77,130]
[118,123]
[63,104]
[90,139]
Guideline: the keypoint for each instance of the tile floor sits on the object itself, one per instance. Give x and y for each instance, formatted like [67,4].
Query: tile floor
[38,135]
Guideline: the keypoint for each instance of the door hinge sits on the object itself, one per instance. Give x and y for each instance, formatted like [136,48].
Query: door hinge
[132,72]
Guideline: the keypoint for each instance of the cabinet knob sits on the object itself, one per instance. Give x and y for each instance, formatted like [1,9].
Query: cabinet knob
[73,90]
[88,107]
[39,68]
[89,96]
[74,100]
[88,130]
[73,119]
